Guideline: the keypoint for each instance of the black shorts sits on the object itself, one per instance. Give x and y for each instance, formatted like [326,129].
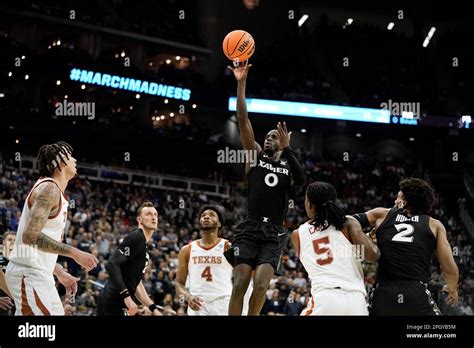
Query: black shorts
[257,242]
[402,297]
[111,304]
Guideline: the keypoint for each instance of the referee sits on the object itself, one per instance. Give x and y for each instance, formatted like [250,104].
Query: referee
[126,268]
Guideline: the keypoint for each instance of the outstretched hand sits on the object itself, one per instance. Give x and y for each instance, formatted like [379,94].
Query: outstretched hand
[241,71]
[283,134]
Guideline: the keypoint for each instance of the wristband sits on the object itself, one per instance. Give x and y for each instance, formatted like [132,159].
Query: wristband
[152,307]
[124,293]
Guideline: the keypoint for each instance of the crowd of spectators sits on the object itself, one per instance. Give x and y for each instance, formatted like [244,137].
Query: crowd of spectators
[102,213]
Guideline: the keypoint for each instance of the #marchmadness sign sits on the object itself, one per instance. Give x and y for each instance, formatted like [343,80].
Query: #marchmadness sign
[129,84]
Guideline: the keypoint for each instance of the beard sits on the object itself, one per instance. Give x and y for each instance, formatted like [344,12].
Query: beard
[209,227]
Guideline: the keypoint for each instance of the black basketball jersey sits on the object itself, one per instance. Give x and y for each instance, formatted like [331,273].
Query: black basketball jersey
[3,263]
[269,185]
[3,267]
[406,246]
[134,248]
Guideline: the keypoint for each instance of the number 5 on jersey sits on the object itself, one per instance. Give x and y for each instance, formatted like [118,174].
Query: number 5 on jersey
[320,249]
[207,274]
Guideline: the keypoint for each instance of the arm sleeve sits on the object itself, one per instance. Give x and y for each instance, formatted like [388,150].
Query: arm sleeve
[297,172]
[363,219]
[126,250]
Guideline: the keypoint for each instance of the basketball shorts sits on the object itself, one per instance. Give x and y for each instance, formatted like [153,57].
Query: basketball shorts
[257,242]
[336,302]
[402,297]
[218,306]
[33,290]
[111,303]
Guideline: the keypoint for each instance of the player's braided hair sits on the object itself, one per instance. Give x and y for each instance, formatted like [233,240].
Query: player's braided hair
[322,196]
[419,195]
[50,156]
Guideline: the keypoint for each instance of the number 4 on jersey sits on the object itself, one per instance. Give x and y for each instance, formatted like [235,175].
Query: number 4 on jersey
[207,274]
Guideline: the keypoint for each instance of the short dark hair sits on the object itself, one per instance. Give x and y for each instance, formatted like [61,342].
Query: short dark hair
[50,155]
[420,196]
[216,209]
[144,205]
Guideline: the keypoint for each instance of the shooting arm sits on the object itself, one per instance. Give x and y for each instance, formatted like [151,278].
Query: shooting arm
[246,131]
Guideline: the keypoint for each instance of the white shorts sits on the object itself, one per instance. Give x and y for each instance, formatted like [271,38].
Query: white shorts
[336,302]
[219,306]
[33,290]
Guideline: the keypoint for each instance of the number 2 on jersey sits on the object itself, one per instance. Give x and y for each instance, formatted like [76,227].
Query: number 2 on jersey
[207,274]
[322,250]
[404,233]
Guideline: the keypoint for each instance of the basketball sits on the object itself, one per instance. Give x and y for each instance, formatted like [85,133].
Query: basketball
[238,46]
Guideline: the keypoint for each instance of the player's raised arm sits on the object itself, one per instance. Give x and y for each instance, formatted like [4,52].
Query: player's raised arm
[446,260]
[245,127]
[46,199]
[182,291]
[354,228]
[297,171]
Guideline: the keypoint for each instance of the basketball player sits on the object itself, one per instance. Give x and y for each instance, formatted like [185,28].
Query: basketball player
[331,246]
[407,237]
[6,304]
[5,297]
[126,268]
[32,263]
[203,263]
[260,238]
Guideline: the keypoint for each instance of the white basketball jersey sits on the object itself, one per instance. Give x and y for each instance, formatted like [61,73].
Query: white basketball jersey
[30,256]
[330,259]
[209,273]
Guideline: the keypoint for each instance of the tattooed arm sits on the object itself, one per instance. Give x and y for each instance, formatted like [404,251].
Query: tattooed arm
[46,197]
[45,200]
